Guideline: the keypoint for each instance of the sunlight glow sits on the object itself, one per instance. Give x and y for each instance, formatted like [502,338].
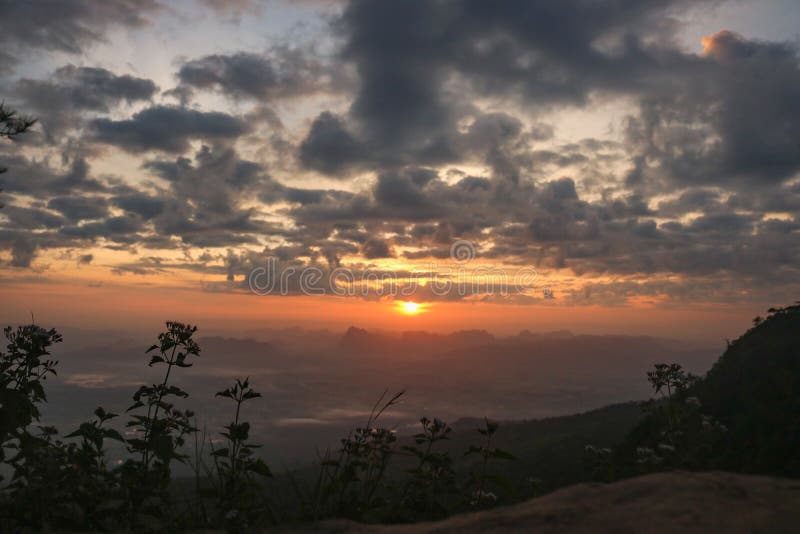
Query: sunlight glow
[410,308]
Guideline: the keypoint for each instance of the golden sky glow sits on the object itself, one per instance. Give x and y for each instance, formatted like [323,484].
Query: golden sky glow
[176,154]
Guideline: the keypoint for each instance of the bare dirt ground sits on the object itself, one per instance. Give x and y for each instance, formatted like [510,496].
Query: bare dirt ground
[681,502]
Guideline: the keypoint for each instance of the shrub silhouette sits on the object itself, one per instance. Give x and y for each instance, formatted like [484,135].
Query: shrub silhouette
[432,480]
[348,483]
[481,477]
[160,431]
[240,498]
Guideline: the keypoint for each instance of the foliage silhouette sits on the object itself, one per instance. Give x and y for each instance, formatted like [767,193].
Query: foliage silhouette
[12,124]
[240,498]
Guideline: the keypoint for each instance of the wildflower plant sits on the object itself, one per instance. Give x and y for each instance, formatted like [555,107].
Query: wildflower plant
[240,495]
[160,427]
[23,369]
[433,479]
[481,477]
[348,483]
[682,435]
[34,458]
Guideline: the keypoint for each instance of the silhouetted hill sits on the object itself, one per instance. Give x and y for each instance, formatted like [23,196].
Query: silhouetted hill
[754,389]
[411,343]
[358,340]
[749,406]
[420,340]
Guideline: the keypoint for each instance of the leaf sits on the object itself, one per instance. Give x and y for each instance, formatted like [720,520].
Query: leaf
[472,449]
[260,468]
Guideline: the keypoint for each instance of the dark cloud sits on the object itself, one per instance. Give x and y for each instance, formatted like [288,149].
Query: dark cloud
[200,206]
[23,252]
[77,208]
[122,229]
[421,63]
[32,218]
[67,25]
[281,73]
[399,191]
[141,204]
[34,177]
[213,181]
[203,204]
[724,116]
[375,248]
[329,148]
[735,122]
[86,88]
[168,129]
[59,100]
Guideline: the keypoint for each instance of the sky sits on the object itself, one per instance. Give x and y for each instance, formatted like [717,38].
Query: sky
[620,166]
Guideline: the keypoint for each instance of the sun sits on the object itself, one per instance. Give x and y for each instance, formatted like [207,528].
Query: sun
[410,308]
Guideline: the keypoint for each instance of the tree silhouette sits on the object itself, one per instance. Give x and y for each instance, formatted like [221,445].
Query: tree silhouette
[11,125]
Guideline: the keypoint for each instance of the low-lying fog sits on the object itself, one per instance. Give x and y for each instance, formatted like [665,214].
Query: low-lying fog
[318,384]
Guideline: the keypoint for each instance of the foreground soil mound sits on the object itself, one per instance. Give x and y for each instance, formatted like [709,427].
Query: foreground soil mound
[666,502]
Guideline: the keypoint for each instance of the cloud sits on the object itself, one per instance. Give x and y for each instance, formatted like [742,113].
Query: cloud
[448,127]
[35,177]
[329,148]
[78,208]
[421,64]
[23,252]
[60,100]
[68,26]
[281,73]
[166,128]
[141,204]
[733,122]
[85,259]
[376,248]
[120,229]
[32,218]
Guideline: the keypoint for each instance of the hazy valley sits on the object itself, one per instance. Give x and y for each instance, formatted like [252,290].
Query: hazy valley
[316,385]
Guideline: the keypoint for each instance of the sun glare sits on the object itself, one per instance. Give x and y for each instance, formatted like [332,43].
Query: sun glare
[410,308]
